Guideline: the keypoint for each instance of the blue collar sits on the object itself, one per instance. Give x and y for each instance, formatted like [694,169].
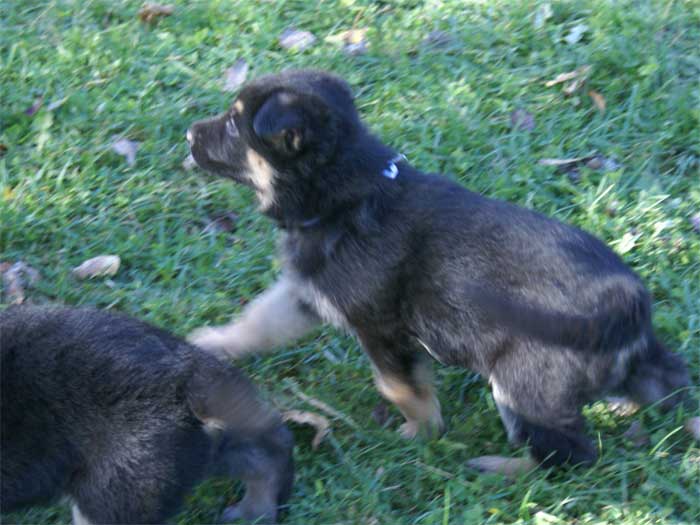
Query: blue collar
[392,171]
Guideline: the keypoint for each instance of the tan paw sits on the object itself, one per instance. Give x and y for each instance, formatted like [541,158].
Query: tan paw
[210,339]
[422,429]
[510,467]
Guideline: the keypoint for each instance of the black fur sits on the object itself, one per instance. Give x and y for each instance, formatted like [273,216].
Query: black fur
[545,311]
[110,411]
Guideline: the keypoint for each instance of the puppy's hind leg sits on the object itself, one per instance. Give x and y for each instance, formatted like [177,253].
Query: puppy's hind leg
[275,317]
[405,378]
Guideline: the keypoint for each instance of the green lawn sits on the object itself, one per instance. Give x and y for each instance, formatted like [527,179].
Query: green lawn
[65,197]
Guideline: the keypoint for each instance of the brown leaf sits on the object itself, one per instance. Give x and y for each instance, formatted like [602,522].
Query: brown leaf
[3,149]
[293,39]
[38,102]
[235,76]
[127,148]
[15,278]
[380,413]
[693,426]
[522,120]
[598,100]
[353,40]
[223,222]
[570,75]
[151,12]
[637,434]
[317,421]
[98,266]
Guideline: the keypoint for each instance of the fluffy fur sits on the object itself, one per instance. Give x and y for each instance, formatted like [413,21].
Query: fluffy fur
[124,419]
[417,266]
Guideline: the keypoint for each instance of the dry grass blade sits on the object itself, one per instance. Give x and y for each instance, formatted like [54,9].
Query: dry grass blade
[570,75]
[317,421]
[320,405]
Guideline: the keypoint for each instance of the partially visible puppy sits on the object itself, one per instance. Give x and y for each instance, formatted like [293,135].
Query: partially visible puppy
[417,266]
[124,419]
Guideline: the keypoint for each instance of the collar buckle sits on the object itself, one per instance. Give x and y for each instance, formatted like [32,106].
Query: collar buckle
[392,171]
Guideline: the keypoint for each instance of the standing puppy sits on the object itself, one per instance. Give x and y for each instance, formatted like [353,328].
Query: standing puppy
[416,266]
[125,419]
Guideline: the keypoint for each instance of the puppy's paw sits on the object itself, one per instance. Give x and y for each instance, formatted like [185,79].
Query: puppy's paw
[509,467]
[422,429]
[211,340]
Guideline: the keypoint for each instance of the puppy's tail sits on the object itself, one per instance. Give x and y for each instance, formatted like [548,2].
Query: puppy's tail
[626,317]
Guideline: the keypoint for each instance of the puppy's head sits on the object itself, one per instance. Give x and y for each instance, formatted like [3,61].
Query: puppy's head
[279,132]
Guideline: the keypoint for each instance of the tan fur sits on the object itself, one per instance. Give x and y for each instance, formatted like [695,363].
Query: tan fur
[239,106]
[261,175]
[271,320]
[419,405]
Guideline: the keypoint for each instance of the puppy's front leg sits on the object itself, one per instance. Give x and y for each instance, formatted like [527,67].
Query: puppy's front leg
[275,317]
[406,380]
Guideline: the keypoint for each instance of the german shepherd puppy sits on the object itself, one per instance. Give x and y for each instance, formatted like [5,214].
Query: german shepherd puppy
[124,419]
[416,266]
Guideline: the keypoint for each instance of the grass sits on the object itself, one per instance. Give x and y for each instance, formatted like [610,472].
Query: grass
[66,196]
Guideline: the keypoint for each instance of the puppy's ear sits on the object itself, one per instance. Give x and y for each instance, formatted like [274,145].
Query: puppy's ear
[284,122]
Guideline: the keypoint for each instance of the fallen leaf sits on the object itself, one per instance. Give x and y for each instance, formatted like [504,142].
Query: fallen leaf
[98,266]
[695,222]
[522,120]
[3,149]
[542,14]
[637,434]
[598,100]
[15,278]
[31,110]
[575,34]
[235,76]
[352,40]
[509,467]
[189,163]
[569,75]
[223,222]
[151,12]
[628,241]
[693,426]
[317,421]
[126,148]
[380,414]
[296,40]
[438,39]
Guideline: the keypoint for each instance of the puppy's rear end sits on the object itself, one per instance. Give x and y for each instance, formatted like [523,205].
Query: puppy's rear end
[125,419]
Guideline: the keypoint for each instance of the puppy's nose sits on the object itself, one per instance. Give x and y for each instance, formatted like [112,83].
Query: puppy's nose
[190,137]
